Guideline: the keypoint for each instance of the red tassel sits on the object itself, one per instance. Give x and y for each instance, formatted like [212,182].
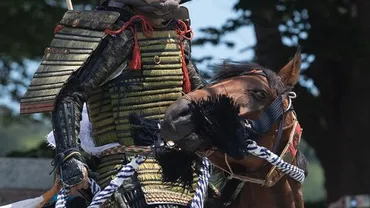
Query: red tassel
[186,85]
[135,63]
[58,28]
[182,30]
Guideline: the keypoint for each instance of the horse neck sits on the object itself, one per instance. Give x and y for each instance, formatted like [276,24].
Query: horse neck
[286,193]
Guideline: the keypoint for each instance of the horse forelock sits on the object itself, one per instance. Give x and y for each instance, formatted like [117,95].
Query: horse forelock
[229,70]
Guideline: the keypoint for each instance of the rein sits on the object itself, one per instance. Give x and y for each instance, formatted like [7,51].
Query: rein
[262,152]
[275,112]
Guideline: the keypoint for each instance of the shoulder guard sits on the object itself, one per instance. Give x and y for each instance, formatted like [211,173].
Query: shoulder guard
[81,33]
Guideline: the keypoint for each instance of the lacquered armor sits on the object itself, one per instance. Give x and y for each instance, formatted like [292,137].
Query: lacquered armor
[86,63]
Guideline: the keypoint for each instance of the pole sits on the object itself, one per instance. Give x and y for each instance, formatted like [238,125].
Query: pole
[69,4]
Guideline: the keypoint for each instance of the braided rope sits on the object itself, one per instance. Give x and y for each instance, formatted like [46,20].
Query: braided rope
[63,193]
[125,173]
[289,169]
[200,192]
[95,188]
[100,196]
[62,197]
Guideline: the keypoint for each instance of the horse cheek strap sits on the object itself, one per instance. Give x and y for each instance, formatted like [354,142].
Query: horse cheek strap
[273,113]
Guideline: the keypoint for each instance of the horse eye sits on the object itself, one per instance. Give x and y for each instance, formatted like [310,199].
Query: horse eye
[260,94]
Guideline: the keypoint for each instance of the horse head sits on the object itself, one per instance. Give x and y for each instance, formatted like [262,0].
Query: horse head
[244,103]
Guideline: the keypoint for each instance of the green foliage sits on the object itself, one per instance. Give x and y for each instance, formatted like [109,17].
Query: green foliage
[27,27]
[21,135]
[42,151]
[332,105]
[320,204]
[313,187]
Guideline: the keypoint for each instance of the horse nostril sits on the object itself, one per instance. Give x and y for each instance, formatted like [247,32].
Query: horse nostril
[177,123]
[179,110]
[184,112]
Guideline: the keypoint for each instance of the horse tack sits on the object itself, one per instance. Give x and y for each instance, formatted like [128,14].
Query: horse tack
[274,175]
[263,105]
[288,154]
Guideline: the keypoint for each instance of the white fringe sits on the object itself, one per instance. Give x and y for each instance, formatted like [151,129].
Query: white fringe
[87,142]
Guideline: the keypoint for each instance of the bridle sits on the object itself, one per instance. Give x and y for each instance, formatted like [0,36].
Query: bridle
[264,182]
[273,113]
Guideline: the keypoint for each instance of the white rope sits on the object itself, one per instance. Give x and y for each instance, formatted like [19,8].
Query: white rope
[100,196]
[200,192]
[62,197]
[124,174]
[95,188]
[291,95]
[264,153]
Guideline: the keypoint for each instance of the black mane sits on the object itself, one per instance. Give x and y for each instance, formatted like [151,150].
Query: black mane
[229,70]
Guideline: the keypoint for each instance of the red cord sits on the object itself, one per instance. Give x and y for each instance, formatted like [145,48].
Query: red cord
[182,30]
[147,28]
[58,28]
[135,63]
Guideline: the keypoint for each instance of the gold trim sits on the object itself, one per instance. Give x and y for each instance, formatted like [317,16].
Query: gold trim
[75,22]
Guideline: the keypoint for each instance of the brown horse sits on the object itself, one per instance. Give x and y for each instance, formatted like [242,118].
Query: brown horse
[255,91]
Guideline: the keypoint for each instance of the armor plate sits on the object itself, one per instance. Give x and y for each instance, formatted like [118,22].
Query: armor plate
[71,48]
[148,91]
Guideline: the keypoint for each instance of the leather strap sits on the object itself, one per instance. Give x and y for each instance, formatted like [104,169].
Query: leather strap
[63,156]
[288,155]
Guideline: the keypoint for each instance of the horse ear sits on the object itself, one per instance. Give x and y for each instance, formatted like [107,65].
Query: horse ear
[290,72]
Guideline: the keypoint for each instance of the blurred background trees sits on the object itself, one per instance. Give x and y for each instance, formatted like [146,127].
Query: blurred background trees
[333,99]
[335,40]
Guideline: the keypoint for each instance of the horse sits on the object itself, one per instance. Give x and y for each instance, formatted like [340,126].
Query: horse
[244,99]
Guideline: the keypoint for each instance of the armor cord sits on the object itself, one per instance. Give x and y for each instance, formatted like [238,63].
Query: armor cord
[182,31]
[135,63]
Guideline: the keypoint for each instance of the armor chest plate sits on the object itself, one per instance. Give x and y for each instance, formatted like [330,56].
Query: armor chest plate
[148,91]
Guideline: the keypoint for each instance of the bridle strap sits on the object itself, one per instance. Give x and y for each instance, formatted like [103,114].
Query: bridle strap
[272,114]
[264,182]
[275,112]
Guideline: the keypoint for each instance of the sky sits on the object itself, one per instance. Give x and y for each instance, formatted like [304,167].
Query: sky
[205,13]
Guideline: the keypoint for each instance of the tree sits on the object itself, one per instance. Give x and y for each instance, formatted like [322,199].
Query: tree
[332,32]
[27,30]
[336,35]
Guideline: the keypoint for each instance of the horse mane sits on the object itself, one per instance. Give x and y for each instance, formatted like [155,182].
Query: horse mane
[230,69]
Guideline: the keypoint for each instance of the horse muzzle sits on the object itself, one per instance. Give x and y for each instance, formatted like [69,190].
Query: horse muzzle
[177,123]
